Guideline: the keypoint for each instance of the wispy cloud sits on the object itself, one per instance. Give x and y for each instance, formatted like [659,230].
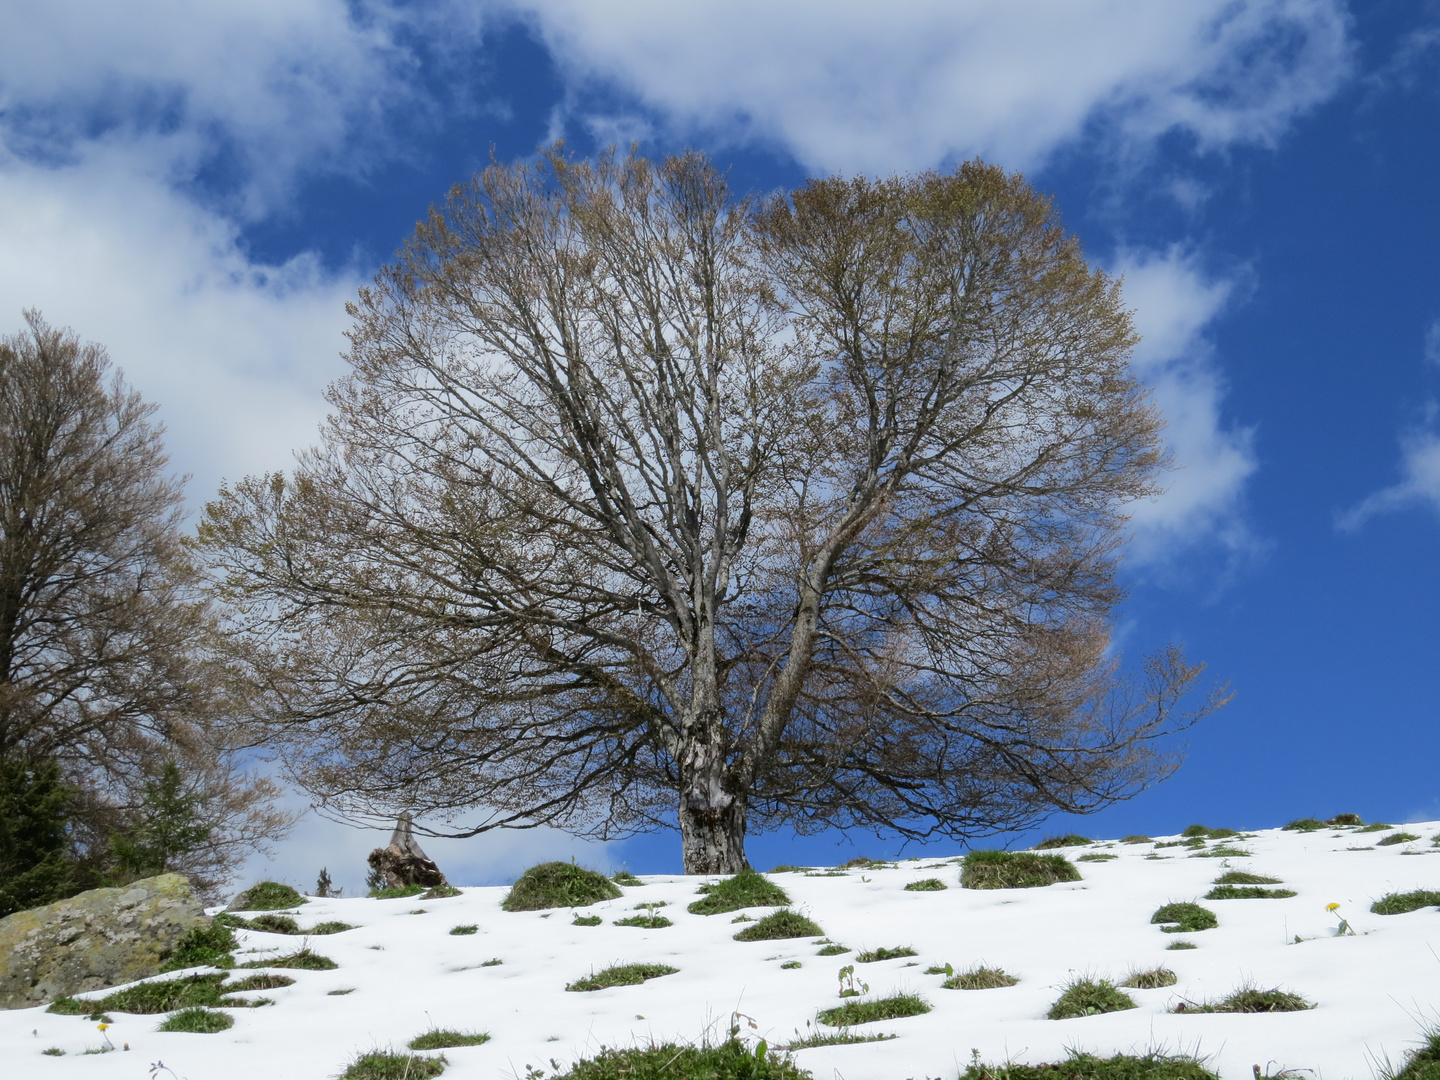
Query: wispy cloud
[1419,483]
[909,85]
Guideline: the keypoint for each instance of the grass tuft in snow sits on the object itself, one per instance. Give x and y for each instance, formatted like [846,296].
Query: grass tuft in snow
[1015,870]
[53,1051]
[1240,877]
[440,892]
[645,922]
[1176,945]
[1224,851]
[1376,826]
[780,924]
[1086,997]
[303,959]
[870,956]
[868,1012]
[341,992]
[1304,824]
[494,961]
[198,1021]
[257,982]
[1081,1066]
[1068,840]
[1136,838]
[399,892]
[929,884]
[1096,856]
[1400,903]
[730,1060]
[629,880]
[833,949]
[1249,999]
[1346,819]
[444,1039]
[842,1037]
[1247,892]
[1422,1063]
[586,920]
[1184,918]
[1153,979]
[470,928]
[979,978]
[266,896]
[167,995]
[1396,838]
[746,889]
[559,884]
[1204,832]
[205,946]
[791,965]
[621,975]
[382,1065]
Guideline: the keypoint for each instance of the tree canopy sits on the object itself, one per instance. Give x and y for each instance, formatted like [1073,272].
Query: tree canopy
[647,505]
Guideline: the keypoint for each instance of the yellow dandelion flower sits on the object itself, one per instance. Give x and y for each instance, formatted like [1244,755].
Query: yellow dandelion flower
[102,1027]
[1332,907]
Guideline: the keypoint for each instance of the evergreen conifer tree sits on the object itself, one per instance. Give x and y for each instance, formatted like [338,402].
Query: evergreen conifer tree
[34,807]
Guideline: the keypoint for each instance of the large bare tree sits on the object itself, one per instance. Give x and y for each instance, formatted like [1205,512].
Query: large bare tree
[643,505]
[105,662]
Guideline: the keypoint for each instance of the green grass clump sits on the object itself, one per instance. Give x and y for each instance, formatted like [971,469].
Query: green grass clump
[1015,870]
[1240,877]
[274,924]
[1184,918]
[1345,819]
[646,922]
[1096,856]
[867,1012]
[586,920]
[1399,903]
[1376,826]
[399,892]
[1204,832]
[205,946]
[780,924]
[53,1051]
[1174,945]
[470,928]
[1085,997]
[559,884]
[1247,892]
[629,880]
[167,995]
[786,868]
[929,884]
[1396,838]
[746,889]
[1250,999]
[1222,852]
[870,956]
[266,896]
[1135,838]
[258,982]
[621,975]
[1068,840]
[1085,1067]
[730,1060]
[1304,824]
[843,1037]
[331,926]
[1153,979]
[791,965]
[382,1065]
[444,1039]
[302,959]
[980,978]
[833,949]
[1422,1063]
[198,1021]
[440,892]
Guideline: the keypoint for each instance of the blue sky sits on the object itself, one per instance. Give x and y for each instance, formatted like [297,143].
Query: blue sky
[201,189]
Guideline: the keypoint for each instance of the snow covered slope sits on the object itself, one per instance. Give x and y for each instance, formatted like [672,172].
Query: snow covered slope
[1373,991]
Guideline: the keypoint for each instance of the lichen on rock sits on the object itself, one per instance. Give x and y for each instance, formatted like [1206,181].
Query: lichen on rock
[98,939]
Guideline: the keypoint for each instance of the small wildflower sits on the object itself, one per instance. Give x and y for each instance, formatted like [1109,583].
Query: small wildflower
[1344,928]
[1332,907]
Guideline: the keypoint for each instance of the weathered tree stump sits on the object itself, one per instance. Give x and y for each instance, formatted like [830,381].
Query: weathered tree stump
[402,862]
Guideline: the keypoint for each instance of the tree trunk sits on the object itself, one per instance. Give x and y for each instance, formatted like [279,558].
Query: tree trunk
[712,819]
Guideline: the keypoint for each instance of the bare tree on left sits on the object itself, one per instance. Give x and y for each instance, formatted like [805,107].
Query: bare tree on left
[106,672]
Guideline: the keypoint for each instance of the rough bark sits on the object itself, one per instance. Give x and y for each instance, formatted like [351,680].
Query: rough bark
[402,862]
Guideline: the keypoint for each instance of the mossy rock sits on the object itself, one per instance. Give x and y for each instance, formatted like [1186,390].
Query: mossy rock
[559,884]
[1015,870]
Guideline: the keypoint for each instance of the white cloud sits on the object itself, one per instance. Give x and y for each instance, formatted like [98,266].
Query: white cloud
[1419,483]
[1174,302]
[235,354]
[909,85]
